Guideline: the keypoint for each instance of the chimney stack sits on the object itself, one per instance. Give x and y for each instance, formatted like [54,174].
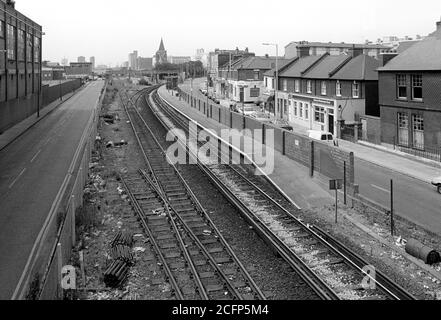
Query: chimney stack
[386,57]
[354,52]
[303,50]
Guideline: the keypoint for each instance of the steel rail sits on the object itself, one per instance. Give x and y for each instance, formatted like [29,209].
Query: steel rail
[386,285]
[228,249]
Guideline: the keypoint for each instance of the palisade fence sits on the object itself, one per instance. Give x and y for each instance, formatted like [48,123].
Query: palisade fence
[327,161]
[41,278]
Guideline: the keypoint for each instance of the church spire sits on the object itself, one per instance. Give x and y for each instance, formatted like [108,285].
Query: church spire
[161,46]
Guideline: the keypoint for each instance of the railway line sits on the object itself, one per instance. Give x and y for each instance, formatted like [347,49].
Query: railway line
[197,260]
[333,271]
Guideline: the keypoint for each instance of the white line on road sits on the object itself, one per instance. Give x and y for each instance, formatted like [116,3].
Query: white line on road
[380,188]
[16,179]
[36,155]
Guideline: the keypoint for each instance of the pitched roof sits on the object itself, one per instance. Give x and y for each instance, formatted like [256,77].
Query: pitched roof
[296,69]
[422,56]
[361,67]
[404,45]
[254,63]
[281,64]
[325,66]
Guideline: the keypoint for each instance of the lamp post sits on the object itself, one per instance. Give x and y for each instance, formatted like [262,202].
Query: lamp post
[277,76]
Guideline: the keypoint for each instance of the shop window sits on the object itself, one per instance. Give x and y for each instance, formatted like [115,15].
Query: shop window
[319,115]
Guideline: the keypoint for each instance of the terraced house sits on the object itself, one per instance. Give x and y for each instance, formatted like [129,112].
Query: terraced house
[323,92]
[410,97]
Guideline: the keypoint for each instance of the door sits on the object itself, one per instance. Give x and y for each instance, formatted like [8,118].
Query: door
[331,123]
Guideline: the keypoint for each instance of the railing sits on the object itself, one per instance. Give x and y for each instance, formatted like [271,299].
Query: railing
[41,278]
[418,150]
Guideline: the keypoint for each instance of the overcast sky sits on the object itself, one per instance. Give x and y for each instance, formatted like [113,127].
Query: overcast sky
[110,29]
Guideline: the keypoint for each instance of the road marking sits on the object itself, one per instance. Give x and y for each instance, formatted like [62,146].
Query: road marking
[16,179]
[380,188]
[36,155]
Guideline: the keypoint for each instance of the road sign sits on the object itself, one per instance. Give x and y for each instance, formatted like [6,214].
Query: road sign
[336,184]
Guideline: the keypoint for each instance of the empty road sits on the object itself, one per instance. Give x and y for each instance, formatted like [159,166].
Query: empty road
[32,170]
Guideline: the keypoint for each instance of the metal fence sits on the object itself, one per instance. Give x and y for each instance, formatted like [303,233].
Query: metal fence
[41,278]
[421,151]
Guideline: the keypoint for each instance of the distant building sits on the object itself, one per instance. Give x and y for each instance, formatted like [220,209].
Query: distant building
[125,64]
[161,54]
[81,59]
[145,63]
[92,61]
[133,60]
[64,62]
[294,49]
[219,58]
[20,66]
[178,60]
[79,70]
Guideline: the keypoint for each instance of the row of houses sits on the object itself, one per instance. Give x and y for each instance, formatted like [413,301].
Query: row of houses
[385,97]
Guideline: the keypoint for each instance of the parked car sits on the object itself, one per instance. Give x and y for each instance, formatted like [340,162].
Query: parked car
[261,116]
[437,183]
[246,110]
[322,136]
[283,124]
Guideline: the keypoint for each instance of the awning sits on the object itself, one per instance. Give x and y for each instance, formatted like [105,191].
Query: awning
[267,98]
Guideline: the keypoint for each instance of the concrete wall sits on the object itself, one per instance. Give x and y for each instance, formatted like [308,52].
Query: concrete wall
[324,159]
[14,111]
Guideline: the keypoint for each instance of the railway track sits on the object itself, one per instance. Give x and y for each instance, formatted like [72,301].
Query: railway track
[198,261]
[331,269]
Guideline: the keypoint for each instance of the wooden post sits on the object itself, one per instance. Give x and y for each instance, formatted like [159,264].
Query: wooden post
[72,207]
[344,185]
[336,205]
[392,222]
[59,267]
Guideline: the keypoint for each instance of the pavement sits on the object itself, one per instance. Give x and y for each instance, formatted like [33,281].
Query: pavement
[414,197]
[32,169]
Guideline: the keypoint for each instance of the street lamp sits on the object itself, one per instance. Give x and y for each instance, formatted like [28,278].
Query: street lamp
[277,75]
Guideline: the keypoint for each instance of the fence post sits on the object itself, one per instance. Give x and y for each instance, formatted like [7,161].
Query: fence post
[74,241]
[59,267]
[311,158]
[283,142]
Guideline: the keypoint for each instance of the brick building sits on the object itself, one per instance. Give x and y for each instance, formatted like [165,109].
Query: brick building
[20,66]
[321,92]
[410,96]
[332,48]
[244,80]
[223,58]
[79,70]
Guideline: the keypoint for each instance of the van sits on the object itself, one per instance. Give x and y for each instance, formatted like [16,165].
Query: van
[325,137]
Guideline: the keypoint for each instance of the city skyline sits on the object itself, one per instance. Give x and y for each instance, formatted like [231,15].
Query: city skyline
[343,20]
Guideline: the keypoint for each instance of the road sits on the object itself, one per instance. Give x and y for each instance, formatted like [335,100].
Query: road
[32,170]
[414,199]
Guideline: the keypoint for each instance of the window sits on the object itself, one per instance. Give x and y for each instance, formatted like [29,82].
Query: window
[266,82]
[297,86]
[254,92]
[323,91]
[11,42]
[309,86]
[36,49]
[401,86]
[418,131]
[21,45]
[417,87]
[295,108]
[306,111]
[285,107]
[256,75]
[2,29]
[319,115]
[301,110]
[403,129]
[272,83]
[338,89]
[29,47]
[284,85]
[355,90]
